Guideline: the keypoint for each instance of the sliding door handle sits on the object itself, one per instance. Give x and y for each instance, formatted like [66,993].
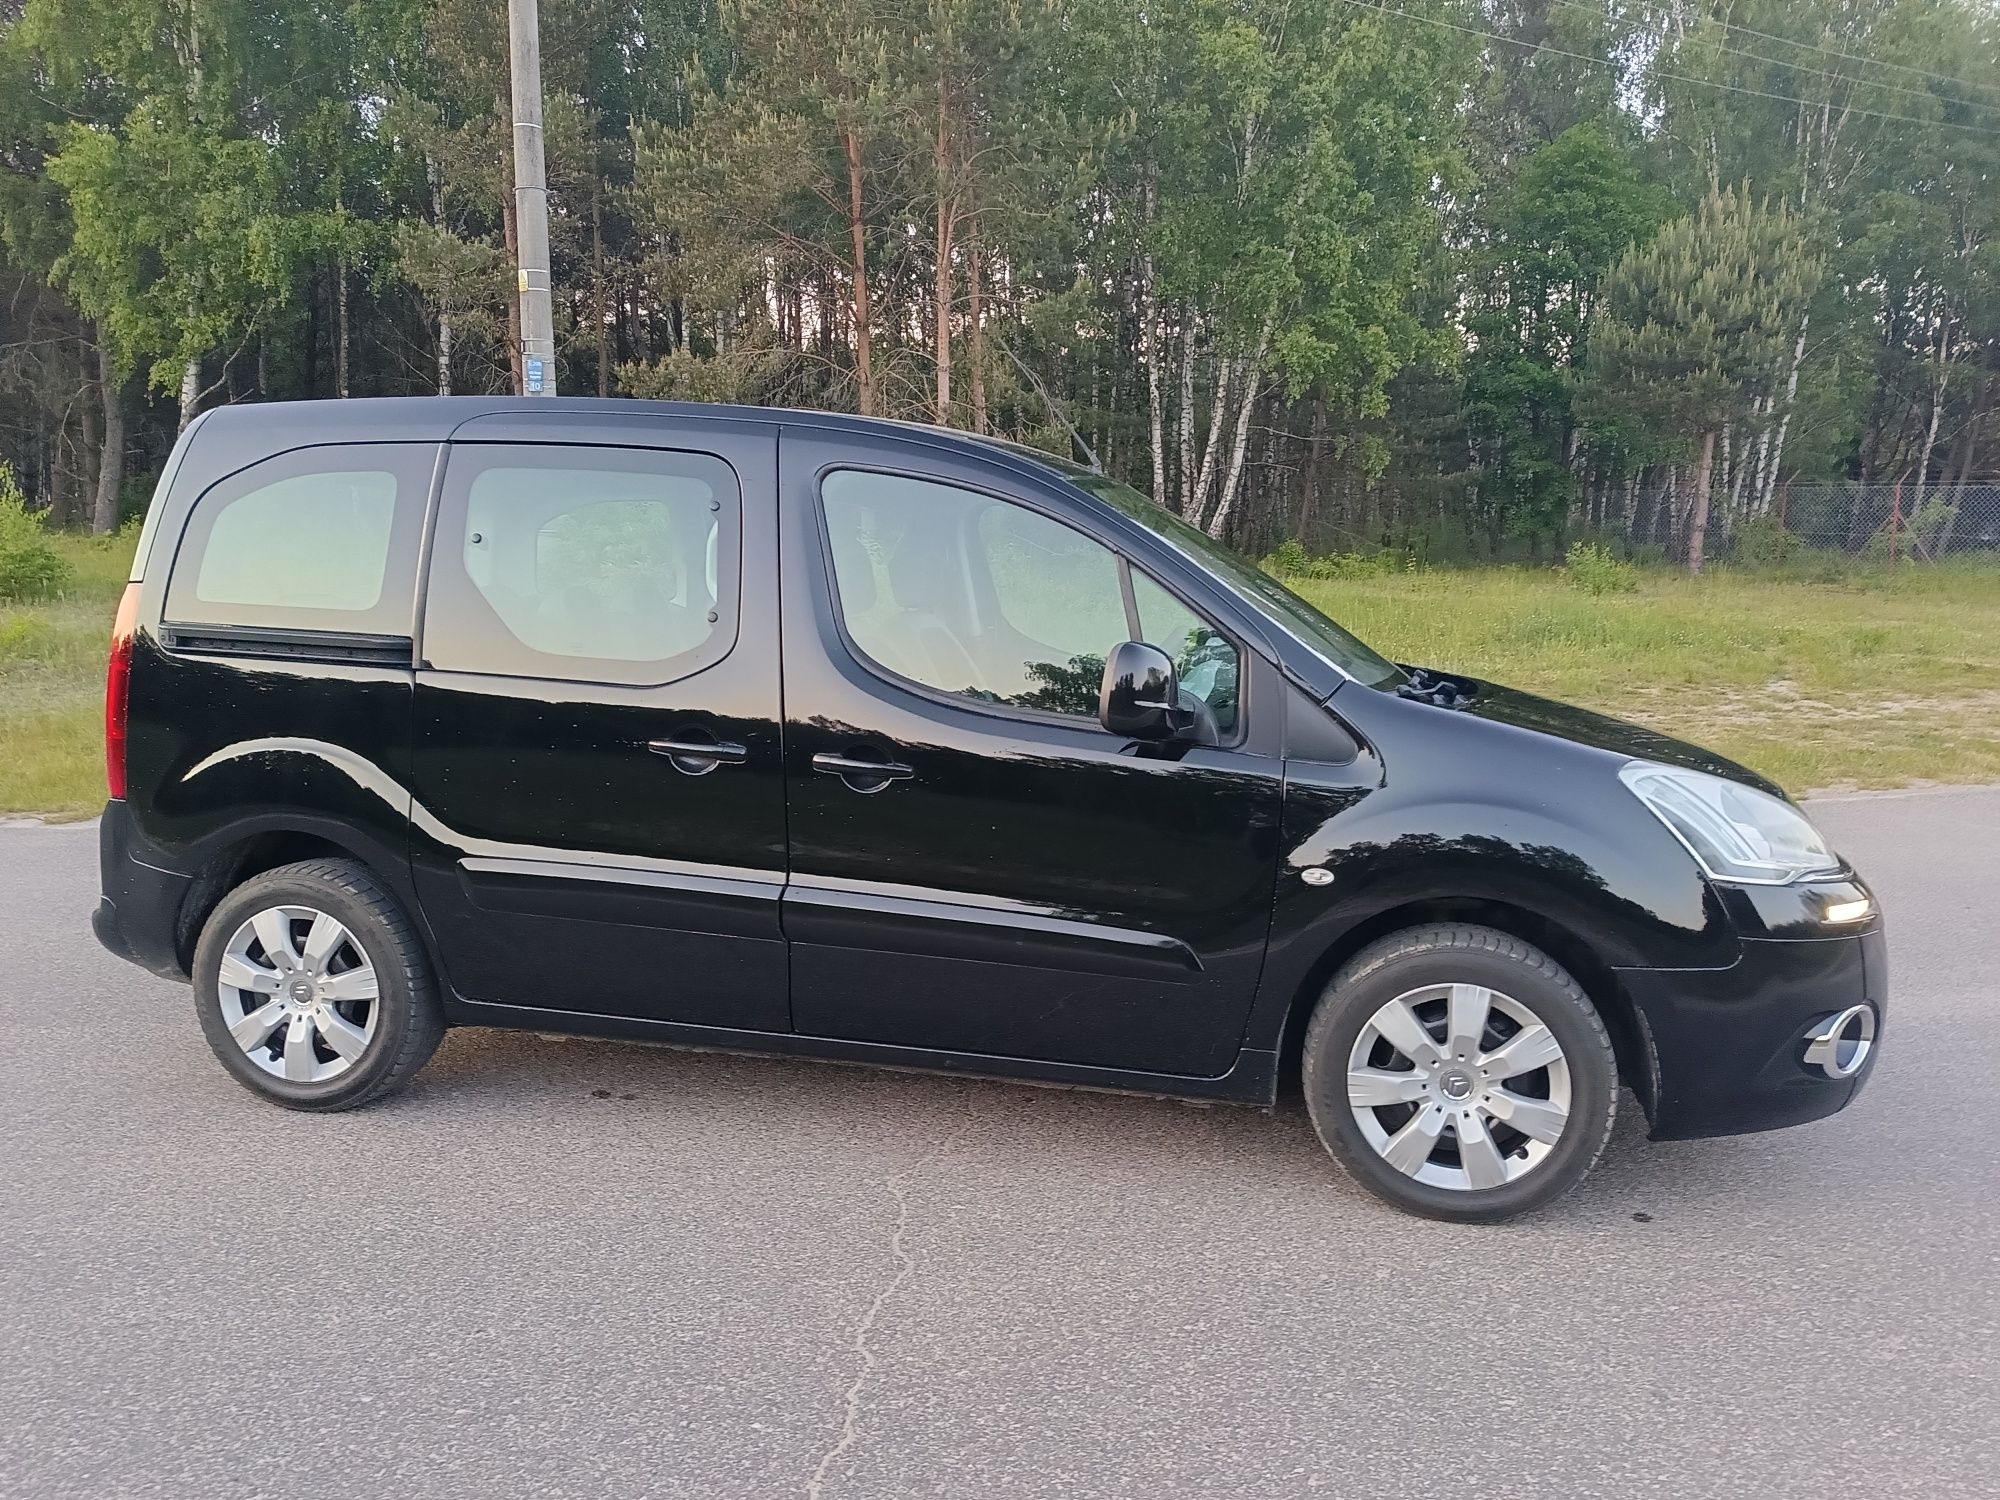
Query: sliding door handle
[861,773]
[698,757]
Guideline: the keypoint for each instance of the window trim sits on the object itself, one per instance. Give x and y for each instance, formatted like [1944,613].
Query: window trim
[419,460]
[1007,711]
[717,648]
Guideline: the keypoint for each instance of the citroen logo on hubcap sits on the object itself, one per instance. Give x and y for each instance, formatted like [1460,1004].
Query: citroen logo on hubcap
[302,991]
[1456,1086]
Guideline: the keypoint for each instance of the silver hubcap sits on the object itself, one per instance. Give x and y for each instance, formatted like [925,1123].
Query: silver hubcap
[299,994]
[1459,1086]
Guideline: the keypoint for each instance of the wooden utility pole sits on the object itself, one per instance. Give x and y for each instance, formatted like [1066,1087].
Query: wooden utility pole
[531,202]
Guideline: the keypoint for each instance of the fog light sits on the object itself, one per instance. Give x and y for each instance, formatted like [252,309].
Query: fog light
[1848,911]
[1839,1045]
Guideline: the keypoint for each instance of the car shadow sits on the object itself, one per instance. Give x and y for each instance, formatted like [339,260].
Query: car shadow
[862,1119]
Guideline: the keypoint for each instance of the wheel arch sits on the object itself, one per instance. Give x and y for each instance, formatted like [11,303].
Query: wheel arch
[249,853]
[1630,1042]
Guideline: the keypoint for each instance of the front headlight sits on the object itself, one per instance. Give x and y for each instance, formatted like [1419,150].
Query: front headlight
[1735,832]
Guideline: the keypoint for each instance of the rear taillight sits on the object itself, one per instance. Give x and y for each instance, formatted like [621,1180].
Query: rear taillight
[118,691]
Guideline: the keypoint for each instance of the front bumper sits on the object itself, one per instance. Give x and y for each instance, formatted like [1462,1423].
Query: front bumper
[1729,1045]
[138,914]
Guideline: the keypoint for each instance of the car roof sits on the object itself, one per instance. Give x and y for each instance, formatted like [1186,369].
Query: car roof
[436,418]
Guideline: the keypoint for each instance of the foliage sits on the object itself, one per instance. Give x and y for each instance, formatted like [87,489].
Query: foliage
[30,566]
[1291,560]
[1578,204]
[1440,279]
[1596,569]
[1762,542]
[1694,323]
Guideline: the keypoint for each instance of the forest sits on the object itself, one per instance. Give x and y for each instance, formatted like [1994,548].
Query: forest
[1431,279]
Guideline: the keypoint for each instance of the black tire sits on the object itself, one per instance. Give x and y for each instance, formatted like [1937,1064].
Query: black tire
[409,1023]
[1453,953]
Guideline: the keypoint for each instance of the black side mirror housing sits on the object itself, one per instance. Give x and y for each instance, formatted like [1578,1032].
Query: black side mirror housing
[1141,694]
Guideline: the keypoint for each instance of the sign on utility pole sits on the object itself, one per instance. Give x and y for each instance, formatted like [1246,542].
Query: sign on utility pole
[531,202]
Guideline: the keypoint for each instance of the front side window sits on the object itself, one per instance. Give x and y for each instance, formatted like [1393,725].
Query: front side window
[978,597]
[600,565]
[318,539]
[1204,659]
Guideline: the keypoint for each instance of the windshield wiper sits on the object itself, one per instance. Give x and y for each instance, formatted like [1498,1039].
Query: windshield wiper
[1426,686]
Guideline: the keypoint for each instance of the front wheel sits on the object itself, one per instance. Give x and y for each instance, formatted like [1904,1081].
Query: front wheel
[313,988]
[1459,1073]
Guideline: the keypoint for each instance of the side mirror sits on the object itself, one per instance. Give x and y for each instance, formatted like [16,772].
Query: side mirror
[1140,698]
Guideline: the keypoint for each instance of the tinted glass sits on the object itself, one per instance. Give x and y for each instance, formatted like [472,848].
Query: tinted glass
[972,595]
[602,565]
[1251,584]
[319,539]
[1206,662]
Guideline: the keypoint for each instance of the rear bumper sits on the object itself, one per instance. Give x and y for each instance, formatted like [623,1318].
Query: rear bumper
[138,914]
[1729,1044]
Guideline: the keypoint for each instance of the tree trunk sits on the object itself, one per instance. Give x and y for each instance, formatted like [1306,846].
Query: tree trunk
[1187,411]
[1149,341]
[1315,460]
[1697,531]
[444,336]
[111,452]
[941,295]
[444,354]
[340,314]
[1768,478]
[1930,438]
[857,237]
[1211,446]
[1965,451]
[309,361]
[190,391]
[975,327]
[1248,376]
[90,446]
[597,281]
[947,224]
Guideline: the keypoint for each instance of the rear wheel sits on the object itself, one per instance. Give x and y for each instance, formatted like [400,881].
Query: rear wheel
[313,988]
[1460,1073]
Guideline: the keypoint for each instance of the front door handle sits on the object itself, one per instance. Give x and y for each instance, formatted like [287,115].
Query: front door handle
[698,757]
[861,774]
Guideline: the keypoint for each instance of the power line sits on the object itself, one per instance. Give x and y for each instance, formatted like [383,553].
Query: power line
[1930,95]
[1862,57]
[1706,83]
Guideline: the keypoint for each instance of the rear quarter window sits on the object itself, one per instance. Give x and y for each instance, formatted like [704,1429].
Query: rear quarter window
[321,539]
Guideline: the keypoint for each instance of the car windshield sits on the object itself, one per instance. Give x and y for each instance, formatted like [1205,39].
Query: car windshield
[1248,582]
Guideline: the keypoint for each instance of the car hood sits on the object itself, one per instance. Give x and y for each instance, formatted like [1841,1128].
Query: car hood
[1563,721]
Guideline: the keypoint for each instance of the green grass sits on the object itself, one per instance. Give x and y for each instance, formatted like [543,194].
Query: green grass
[1818,677]
[52,685]
[1849,678]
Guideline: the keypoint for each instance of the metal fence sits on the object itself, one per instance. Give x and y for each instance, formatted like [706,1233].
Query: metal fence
[1899,522]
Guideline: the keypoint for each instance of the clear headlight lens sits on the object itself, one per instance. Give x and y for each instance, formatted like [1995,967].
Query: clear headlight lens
[1736,832]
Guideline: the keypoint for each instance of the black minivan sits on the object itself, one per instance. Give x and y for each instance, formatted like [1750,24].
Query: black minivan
[801,733]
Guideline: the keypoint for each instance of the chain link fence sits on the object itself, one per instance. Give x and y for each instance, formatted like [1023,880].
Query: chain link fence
[1893,522]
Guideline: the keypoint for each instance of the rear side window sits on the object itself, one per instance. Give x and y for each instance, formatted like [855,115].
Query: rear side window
[316,539]
[613,565]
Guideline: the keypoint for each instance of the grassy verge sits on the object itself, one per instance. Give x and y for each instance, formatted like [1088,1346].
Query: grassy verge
[1870,679]
[52,685]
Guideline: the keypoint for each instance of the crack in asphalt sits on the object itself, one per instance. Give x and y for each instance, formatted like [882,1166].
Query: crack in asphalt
[906,1265]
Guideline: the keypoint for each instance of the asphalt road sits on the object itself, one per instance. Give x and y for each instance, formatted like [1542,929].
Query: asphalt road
[565,1268]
